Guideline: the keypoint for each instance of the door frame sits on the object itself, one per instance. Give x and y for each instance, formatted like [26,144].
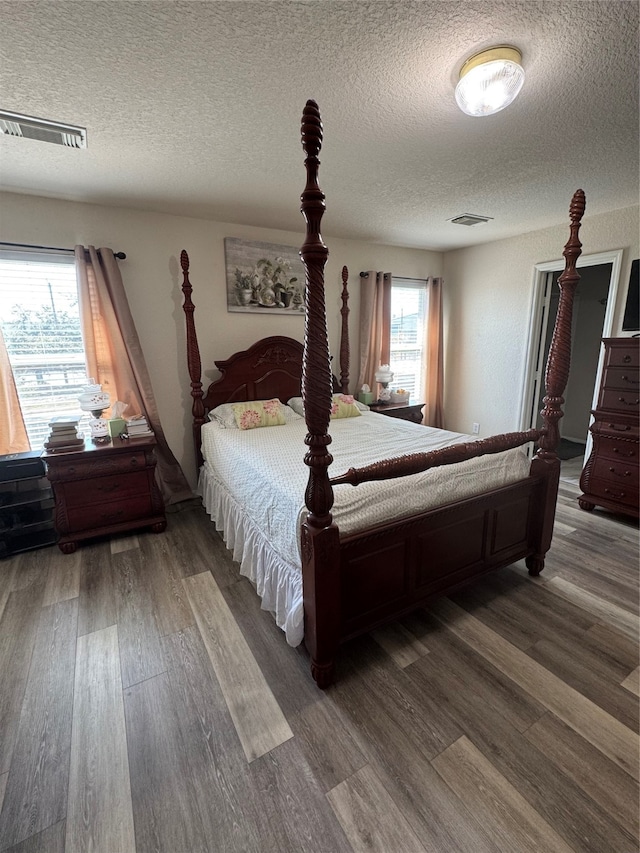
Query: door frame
[538,317]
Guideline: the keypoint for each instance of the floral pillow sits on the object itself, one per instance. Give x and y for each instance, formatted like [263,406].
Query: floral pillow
[225,414]
[258,413]
[342,406]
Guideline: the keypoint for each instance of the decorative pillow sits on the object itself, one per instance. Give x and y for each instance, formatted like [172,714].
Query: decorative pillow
[295,403]
[225,414]
[342,406]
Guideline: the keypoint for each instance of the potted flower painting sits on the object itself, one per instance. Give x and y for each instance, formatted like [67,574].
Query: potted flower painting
[263,277]
[276,284]
[243,285]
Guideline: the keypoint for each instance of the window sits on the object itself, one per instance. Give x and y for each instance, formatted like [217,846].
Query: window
[407,351]
[40,323]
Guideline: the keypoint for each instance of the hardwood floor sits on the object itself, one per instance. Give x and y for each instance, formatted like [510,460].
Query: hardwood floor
[147,703]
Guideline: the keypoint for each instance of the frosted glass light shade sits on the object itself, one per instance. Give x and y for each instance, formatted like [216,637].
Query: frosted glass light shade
[490,81]
[384,374]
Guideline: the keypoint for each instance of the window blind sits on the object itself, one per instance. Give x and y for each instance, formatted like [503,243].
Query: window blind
[40,322]
[407,351]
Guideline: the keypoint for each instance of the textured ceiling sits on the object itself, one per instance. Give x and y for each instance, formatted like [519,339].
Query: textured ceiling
[194,108]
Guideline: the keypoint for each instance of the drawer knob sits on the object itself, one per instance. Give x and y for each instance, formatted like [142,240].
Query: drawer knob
[614,494]
[626,359]
[624,474]
[113,487]
[134,462]
[629,454]
[626,403]
[632,381]
[111,516]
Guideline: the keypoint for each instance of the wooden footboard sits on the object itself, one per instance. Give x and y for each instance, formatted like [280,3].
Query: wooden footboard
[397,567]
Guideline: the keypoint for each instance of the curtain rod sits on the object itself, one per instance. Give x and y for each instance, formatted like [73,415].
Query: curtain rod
[396,277]
[119,255]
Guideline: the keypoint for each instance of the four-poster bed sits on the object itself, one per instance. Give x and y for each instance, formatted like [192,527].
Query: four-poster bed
[355,577]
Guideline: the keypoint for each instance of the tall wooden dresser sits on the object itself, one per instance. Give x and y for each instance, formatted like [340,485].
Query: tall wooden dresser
[610,477]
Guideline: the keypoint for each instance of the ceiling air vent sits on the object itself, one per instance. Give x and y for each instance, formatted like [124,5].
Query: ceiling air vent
[470,219]
[13,124]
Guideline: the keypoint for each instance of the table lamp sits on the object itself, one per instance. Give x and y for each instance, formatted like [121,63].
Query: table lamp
[383,376]
[93,399]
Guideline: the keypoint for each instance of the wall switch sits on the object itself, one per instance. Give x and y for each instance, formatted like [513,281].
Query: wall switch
[476,429]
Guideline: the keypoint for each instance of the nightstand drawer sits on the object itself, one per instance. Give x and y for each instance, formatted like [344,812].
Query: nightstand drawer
[109,513]
[82,466]
[101,489]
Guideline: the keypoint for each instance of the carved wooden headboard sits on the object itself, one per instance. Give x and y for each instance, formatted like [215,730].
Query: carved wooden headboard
[272,367]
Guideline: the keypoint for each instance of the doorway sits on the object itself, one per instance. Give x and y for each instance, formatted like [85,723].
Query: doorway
[593,313]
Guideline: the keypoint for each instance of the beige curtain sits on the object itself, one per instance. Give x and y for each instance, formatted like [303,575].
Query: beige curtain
[375,325]
[13,435]
[115,358]
[433,411]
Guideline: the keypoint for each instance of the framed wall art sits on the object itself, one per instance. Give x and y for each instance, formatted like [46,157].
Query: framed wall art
[263,278]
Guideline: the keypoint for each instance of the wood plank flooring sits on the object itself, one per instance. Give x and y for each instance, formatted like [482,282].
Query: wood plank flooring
[147,703]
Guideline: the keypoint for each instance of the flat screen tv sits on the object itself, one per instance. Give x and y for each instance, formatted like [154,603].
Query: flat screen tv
[631,321]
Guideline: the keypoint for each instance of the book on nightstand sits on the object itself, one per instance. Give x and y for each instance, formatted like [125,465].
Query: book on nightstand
[64,433]
[138,428]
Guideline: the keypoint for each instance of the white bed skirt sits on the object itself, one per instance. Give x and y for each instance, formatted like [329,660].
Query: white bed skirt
[278,583]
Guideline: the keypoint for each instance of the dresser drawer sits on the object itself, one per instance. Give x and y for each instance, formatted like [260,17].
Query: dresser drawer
[108,513]
[614,400]
[103,489]
[618,474]
[621,378]
[615,492]
[626,355]
[618,451]
[616,425]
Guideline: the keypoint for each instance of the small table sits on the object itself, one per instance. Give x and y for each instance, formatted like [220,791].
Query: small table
[104,488]
[404,411]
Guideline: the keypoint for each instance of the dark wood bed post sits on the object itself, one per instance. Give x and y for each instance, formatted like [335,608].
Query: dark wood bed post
[193,359]
[344,334]
[319,535]
[546,461]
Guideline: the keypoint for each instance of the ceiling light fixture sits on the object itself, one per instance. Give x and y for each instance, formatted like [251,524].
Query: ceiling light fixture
[490,81]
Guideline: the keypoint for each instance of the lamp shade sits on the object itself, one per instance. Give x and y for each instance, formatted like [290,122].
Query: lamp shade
[384,374]
[490,81]
[93,398]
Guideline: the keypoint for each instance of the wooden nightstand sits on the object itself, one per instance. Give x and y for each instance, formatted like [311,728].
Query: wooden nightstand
[101,489]
[404,411]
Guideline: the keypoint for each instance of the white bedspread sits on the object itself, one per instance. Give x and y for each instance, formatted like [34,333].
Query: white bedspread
[253,484]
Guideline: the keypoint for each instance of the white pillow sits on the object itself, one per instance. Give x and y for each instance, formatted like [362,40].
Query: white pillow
[226,418]
[296,404]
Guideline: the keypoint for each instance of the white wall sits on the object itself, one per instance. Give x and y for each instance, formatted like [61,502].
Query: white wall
[489,290]
[589,311]
[152,279]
